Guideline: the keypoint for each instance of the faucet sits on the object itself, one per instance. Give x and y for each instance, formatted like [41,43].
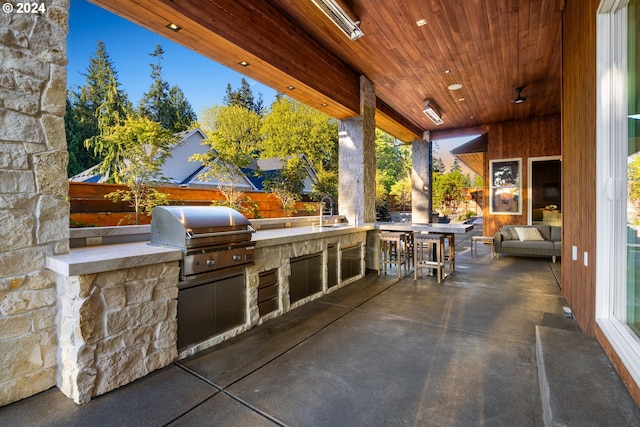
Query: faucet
[322,211]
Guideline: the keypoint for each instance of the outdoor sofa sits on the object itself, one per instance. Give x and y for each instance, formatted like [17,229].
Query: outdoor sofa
[529,240]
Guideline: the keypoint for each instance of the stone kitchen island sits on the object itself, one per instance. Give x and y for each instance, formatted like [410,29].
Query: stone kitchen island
[118,303]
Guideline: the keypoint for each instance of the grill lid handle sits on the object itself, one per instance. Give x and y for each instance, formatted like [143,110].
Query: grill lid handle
[190,234]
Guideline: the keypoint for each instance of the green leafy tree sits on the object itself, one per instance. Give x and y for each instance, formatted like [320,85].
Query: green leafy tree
[244,97]
[449,189]
[292,128]
[287,185]
[401,190]
[164,104]
[393,165]
[233,135]
[145,146]
[326,184]
[86,109]
[393,162]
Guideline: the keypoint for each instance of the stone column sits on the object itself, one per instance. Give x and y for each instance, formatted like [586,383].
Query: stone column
[357,161]
[421,204]
[34,213]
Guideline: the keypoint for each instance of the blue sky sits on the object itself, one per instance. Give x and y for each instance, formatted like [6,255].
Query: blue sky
[202,80]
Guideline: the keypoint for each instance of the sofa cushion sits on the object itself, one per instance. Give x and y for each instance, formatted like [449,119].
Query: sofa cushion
[556,233]
[526,234]
[509,233]
[545,230]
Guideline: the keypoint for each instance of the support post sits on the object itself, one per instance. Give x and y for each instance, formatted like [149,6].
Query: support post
[357,160]
[421,179]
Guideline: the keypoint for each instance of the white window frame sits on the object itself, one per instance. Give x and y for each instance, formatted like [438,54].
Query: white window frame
[611,181]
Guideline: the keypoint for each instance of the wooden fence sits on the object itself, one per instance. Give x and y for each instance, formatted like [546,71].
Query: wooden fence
[89,208]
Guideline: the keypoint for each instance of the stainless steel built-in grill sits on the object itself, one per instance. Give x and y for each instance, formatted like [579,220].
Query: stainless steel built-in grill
[211,237]
[216,245]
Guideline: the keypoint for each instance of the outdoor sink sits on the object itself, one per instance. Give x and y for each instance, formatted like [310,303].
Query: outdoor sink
[338,225]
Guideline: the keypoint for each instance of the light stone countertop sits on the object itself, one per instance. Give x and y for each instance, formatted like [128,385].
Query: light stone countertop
[101,258]
[281,236]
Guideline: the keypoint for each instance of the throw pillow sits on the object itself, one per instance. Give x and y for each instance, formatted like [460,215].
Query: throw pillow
[528,233]
[508,233]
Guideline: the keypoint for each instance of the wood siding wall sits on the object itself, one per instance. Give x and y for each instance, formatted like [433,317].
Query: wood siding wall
[524,139]
[579,158]
[579,102]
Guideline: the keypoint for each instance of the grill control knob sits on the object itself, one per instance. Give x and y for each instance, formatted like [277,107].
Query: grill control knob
[210,262]
[236,257]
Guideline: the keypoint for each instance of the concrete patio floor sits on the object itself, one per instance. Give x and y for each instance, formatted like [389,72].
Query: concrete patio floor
[383,351]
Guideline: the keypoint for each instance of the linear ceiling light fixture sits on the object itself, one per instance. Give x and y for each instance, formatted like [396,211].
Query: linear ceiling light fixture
[433,112]
[339,17]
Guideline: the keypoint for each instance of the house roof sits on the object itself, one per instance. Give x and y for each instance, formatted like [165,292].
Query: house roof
[473,153]
[181,171]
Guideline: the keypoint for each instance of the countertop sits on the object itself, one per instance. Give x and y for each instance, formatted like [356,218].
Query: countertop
[101,258]
[279,236]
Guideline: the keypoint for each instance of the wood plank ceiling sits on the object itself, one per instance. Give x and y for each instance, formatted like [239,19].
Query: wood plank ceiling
[490,47]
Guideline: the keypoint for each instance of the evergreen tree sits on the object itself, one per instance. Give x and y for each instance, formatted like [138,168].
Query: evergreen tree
[101,94]
[456,165]
[244,98]
[183,114]
[79,157]
[164,104]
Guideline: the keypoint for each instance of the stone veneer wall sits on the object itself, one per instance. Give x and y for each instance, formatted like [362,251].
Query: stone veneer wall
[116,327]
[33,189]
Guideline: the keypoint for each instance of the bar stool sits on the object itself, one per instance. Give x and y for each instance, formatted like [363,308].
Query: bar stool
[393,247]
[451,242]
[408,235]
[428,254]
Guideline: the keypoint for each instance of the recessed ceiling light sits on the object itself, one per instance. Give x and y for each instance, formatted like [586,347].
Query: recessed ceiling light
[455,86]
[460,99]
[290,87]
[447,71]
[324,104]
[421,22]
[173,27]
[244,63]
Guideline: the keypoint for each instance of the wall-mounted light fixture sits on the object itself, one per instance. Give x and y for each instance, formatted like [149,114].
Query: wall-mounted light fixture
[433,112]
[339,17]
